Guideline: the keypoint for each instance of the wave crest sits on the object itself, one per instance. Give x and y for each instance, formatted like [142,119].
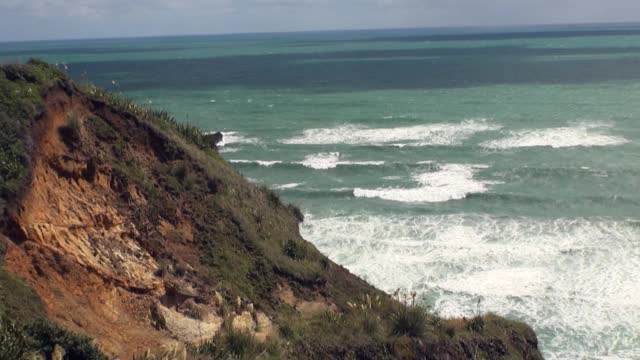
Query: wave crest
[585,135]
[331,160]
[418,135]
[449,182]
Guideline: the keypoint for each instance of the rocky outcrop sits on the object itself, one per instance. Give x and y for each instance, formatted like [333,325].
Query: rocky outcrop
[214,138]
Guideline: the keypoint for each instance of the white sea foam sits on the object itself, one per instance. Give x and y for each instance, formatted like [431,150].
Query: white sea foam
[322,161]
[580,135]
[574,280]
[233,137]
[330,160]
[419,135]
[266,163]
[227,149]
[286,186]
[450,182]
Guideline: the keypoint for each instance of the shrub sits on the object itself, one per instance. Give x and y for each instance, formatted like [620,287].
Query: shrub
[409,321]
[297,213]
[13,341]
[450,331]
[240,344]
[272,197]
[371,324]
[476,324]
[286,330]
[13,155]
[296,250]
[46,336]
[119,148]
[19,341]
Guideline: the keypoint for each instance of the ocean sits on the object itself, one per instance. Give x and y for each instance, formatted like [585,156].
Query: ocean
[488,169]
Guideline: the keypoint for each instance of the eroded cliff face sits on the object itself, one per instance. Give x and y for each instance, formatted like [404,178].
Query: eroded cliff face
[136,237]
[128,270]
[80,252]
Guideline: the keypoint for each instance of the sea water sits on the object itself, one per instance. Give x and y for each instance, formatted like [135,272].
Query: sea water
[491,170]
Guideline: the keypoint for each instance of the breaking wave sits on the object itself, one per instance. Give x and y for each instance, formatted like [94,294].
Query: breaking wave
[418,135]
[449,182]
[586,135]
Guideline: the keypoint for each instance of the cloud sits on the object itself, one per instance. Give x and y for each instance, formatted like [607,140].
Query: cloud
[104,8]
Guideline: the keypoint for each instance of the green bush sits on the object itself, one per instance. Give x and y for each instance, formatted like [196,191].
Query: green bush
[409,321]
[297,213]
[46,336]
[13,341]
[40,337]
[13,155]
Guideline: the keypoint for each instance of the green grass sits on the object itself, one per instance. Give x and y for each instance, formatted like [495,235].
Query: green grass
[102,129]
[18,300]
[235,344]
[21,88]
[18,341]
[45,335]
[160,118]
[24,329]
[13,155]
[295,249]
[409,321]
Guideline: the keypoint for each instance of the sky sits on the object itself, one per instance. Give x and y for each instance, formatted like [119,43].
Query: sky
[73,19]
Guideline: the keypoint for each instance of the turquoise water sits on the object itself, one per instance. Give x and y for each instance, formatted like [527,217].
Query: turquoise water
[488,169]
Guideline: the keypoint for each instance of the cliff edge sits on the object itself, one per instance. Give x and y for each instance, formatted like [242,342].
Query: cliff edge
[122,225]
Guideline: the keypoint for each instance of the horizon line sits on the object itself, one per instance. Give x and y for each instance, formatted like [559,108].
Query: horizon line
[222,34]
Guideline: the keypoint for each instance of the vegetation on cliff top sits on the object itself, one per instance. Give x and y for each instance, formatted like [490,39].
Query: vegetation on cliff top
[243,242]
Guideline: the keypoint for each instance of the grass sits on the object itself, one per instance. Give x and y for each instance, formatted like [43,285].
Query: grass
[327,332]
[18,341]
[162,119]
[45,336]
[409,321]
[21,88]
[14,158]
[236,344]
[295,249]
[25,330]
[18,300]
[102,129]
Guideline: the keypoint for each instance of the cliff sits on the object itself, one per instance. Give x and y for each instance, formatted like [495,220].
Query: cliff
[125,226]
